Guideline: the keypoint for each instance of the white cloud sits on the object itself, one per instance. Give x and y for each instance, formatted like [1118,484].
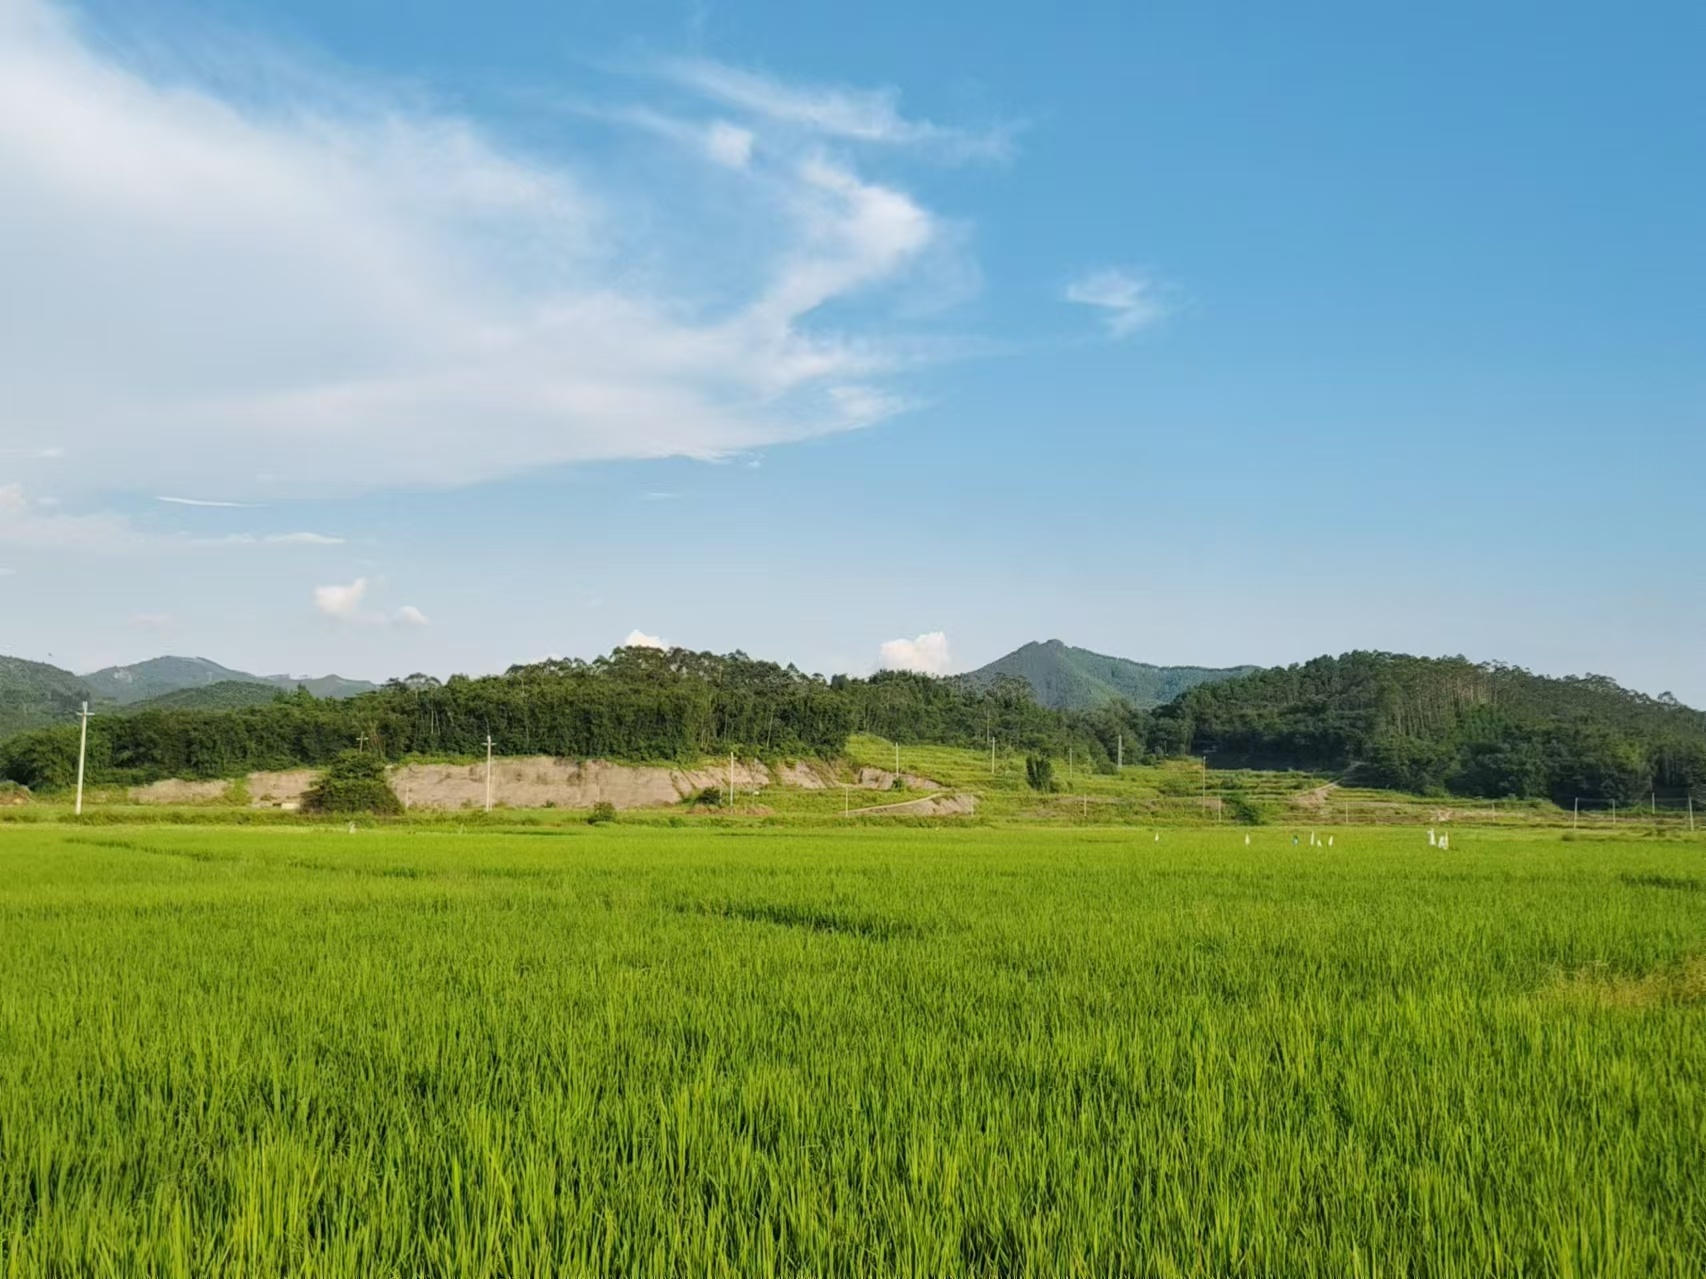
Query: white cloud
[927,654]
[1127,302]
[151,619]
[8,572]
[341,602]
[218,287]
[639,639]
[729,144]
[853,115]
[302,539]
[35,524]
[347,604]
[198,501]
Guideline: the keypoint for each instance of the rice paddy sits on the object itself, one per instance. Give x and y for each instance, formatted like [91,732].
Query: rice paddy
[771,1051]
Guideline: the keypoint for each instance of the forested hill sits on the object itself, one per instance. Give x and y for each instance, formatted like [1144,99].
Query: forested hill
[1075,679]
[1445,725]
[1415,724]
[227,695]
[636,704]
[34,694]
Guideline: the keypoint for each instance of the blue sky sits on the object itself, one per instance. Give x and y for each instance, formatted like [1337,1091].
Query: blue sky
[1188,332]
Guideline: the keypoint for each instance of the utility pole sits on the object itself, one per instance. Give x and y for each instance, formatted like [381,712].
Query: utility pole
[82,753]
[361,741]
[1205,783]
[731,779]
[1691,812]
[1120,740]
[992,754]
[1576,821]
[488,772]
[897,761]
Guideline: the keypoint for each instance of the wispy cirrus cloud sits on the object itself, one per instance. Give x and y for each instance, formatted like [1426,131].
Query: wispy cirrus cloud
[202,501]
[1127,302]
[301,539]
[38,523]
[835,111]
[259,276]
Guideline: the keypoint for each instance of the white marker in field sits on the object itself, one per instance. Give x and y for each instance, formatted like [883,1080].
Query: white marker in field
[1433,841]
[1246,841]
[1330,839]
[1445,841]
[1157,837]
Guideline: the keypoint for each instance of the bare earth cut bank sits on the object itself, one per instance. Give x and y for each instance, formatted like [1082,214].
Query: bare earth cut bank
[541,781]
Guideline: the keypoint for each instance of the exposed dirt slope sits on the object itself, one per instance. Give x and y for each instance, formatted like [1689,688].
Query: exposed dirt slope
[531,782]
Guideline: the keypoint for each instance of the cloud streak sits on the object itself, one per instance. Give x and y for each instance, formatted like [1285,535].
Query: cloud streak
[834,111]
[258,282]
[1126,302]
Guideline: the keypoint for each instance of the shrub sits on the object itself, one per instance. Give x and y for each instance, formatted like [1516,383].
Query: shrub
[602,813]
[1039,772]
[1243,810]
[354,782]
[710,797]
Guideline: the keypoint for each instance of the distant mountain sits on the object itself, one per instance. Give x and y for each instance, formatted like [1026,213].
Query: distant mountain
[162,675]
[335,686]
[36,695]
[227,695]
[1067,678]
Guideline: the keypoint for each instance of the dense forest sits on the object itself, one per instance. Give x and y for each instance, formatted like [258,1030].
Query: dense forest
[637,704]
[1444,726]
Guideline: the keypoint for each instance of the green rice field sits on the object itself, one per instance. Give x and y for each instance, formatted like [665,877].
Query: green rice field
[637,1050]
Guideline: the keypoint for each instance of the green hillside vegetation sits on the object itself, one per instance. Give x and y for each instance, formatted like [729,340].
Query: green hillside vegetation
[637,705]
[35,695]
[1446,726]
[227,695]
[1075,679]
[158,676]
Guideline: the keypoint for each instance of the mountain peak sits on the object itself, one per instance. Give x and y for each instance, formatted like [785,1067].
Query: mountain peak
[1068,678]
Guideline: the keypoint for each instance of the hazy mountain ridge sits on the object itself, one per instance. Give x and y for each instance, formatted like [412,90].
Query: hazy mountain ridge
[161,675]
[1066,678]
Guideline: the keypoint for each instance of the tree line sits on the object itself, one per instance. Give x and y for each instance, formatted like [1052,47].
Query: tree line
[637,704]
[1443,726]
